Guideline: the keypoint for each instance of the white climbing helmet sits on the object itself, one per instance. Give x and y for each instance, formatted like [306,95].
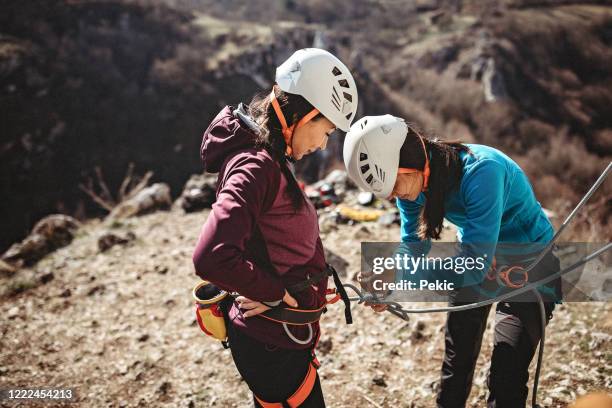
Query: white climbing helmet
[324,81]
[371,152]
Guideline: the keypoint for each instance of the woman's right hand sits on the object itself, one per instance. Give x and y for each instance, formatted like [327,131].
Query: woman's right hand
[254,307]
[288,299]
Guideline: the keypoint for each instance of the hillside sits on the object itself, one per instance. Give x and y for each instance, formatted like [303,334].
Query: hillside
[119,327]
[107,83]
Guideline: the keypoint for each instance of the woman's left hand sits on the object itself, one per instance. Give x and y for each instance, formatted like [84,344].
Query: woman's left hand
[252,307]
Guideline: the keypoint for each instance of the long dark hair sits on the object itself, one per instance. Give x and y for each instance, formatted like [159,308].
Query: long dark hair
[271,138]
[446,170]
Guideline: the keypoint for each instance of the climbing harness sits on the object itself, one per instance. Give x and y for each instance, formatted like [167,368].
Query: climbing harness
[504,276]
[210,317]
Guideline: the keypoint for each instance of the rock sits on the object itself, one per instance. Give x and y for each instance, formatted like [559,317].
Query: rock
[362,233]
[389,218]
[325,346]
[144,337]
[417,334]
[339,263]
[13,312]
[150,199]
[365,198]
[92,291]
[328,222]
[164,387]
[493,82]
[380,381]
[162,270]
[6,269]
[47,277]
[66,293]
[49,234]
[109,240]
[198,193]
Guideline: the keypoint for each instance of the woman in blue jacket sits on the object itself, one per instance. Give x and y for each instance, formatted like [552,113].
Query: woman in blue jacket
[490,200]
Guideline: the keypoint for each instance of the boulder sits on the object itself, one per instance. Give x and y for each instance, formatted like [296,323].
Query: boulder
[150,199]
[109,240]
[6,269]
[199,192]
[49,234]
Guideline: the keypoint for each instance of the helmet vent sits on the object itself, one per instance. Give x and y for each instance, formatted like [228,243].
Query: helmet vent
[344,83]
[335,104]
[369,179]
[336,71]
[335,101]
[363,156]
[348,97]
[380,172]
[348,116]
[365,168]
[335,98]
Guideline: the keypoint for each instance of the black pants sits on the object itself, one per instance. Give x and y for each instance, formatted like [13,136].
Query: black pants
[272,373]
[517,333]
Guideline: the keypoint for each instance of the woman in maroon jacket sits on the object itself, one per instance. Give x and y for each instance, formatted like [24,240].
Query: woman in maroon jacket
[262,234]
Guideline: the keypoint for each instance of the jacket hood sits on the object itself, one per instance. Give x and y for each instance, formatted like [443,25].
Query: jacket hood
[225,135]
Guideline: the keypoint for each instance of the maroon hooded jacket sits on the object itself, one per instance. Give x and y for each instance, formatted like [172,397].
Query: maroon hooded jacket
[254,242]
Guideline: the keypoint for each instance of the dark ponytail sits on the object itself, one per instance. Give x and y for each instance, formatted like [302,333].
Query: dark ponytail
[271,138]
[446,170]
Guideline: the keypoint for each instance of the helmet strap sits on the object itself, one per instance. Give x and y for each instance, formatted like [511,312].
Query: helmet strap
[288,130]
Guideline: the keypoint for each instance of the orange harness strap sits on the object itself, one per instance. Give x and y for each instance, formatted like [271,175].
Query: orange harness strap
[294,316]
[298,396]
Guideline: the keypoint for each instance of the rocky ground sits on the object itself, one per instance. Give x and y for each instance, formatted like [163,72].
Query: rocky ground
[118,326]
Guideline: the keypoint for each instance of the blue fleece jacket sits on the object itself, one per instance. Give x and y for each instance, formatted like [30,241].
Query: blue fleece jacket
[494,203]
